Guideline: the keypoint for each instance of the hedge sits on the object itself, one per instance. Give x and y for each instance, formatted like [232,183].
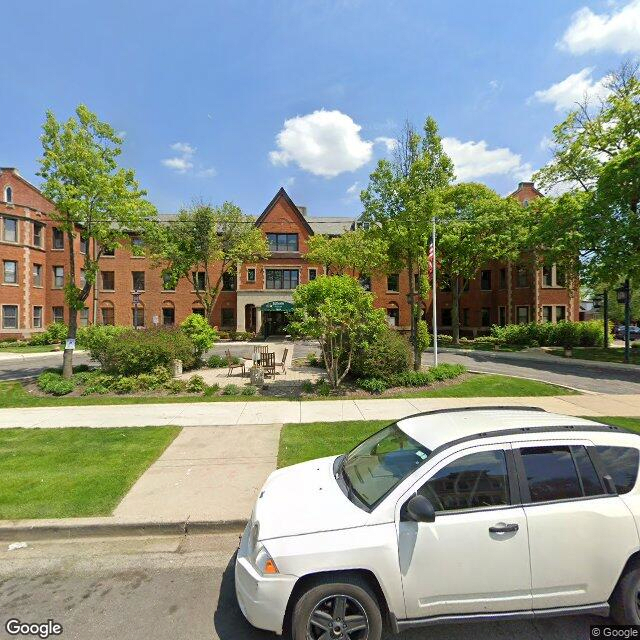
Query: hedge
[562,334]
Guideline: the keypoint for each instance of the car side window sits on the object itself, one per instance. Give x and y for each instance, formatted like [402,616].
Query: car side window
[591,484]
[621,463]
[551,473]
[471,482]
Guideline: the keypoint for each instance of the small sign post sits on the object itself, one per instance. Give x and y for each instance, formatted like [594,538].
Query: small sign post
[70,344]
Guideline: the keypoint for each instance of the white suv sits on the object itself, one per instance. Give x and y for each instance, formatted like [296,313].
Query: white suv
[465,514]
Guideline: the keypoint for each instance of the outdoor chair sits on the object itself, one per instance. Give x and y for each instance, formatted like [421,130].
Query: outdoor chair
[232,365]
[283,363]
[269,364]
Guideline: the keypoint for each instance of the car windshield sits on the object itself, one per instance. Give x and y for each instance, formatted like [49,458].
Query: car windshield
[380,463]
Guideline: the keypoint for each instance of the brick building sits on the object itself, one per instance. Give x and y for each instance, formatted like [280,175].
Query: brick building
[34,261]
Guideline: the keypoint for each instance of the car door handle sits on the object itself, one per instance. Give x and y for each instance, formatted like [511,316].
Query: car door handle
[501,527]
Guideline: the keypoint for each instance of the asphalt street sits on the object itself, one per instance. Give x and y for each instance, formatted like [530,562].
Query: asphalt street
[173,588]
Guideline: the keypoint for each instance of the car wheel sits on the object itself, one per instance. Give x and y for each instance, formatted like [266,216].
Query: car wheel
[344,608]
[625,601]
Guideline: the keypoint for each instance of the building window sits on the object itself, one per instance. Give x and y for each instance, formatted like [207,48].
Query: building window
[393,282]
[58,238]
[58,277]
[522,315]
[445,317]
[167,284]
[547,313]
[503,278]
[8,195]
[10,272]
[84,244]
[108,315]
[199,311]
[502,316]
[313,274]
[561,279]
[365,282]
[199,280]
[228,318]
[251,275]
[168,316]
[561,313]
[228,282]
[136,242]
[83,278]
[37,234]
[485,280]
[109,253]
[137,316]
[37,317]
[137,279]
[547,276]
[282,241]
[58,314]
[282,278]
[10,230]
[485,317]
[522,277]
[37,275]
[84,317]
[10,316]
[465,317]
[393,316]
[108,279]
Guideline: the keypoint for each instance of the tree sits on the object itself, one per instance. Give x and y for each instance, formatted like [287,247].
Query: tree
[338,313]
[205,244]
[93,197]
[597,155]
[400,202]
[359,252]
[475,226]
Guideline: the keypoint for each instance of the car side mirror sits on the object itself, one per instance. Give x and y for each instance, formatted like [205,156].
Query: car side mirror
[420,509]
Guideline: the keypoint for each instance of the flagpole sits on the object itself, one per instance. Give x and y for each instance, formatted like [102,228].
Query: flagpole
[433,295]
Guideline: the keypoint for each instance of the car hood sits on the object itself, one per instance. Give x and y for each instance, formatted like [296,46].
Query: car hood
[304,498]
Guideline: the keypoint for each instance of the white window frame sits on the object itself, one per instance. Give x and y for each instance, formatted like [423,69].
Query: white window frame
[4,272]
[33,317]
[17,308]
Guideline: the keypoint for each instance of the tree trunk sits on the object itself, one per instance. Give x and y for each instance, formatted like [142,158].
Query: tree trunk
[455,311]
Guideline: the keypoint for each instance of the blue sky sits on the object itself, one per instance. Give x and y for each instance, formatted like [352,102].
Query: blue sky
[229,100]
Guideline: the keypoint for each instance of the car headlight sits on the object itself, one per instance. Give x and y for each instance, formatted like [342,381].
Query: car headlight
[263,562]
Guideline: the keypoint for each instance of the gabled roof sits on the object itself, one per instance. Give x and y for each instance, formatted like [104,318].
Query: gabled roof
[283,194]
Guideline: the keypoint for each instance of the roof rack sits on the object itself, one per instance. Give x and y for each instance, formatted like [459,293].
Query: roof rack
[485,408]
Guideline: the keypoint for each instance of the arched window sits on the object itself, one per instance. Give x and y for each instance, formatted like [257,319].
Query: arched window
[8,194]
[168,313]
[393,314]
[107,313]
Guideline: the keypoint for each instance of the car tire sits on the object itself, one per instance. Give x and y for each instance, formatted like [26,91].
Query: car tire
[319,600]
[625,600]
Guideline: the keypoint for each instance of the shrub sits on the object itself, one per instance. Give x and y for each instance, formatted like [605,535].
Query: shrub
[241,335]
[161,373]
[125,384]
[411,379]
[249,390]
[444,339]
[53,383]
[57,332]
[385,355]
[39,339]
[223,335]
[149,382]
[307,387]
[567,334]
[211,390]
[217,362]
[200,332]
[142,351]
[231,390]
[424,337]
[591,333]
[175,386]
[323,388]
[196,384]
[314,360]
[491,340]
[546,334]
[447,371]
[95,337]
[373,385]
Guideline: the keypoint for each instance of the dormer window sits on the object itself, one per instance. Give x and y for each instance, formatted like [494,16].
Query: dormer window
[282,242]
[8,194]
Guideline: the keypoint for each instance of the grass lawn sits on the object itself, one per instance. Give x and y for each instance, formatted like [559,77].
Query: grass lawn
[599,354]
[492,385]
[60,473]
[301,442]
[28,348]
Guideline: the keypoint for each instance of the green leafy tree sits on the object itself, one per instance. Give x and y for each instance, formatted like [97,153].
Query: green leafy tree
[358,252]
[400,201]
[93,198]
[476,226]
[200,332]
[338,313]
[597,158]
[203,245]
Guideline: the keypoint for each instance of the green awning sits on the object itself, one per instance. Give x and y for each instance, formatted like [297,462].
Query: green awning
[277,305]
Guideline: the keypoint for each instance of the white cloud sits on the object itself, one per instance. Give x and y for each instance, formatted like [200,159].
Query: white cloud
[184,161]
[565,95]
[475,160]
[325,143]
[618,31]
[353,189]
[389,143]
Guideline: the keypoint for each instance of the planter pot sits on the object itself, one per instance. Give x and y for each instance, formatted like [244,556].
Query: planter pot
[496,347]
[568,352]
[256,375]
[176,368]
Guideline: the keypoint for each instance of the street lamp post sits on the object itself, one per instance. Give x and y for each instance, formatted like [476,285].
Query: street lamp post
[624,297]
[136,302]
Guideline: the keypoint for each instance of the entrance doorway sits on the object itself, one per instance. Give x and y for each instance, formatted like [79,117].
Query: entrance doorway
[275,323]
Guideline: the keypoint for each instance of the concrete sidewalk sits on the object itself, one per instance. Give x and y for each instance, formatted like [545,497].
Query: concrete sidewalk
[211,414]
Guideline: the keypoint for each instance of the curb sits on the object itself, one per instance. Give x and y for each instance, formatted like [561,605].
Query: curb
[104,528]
